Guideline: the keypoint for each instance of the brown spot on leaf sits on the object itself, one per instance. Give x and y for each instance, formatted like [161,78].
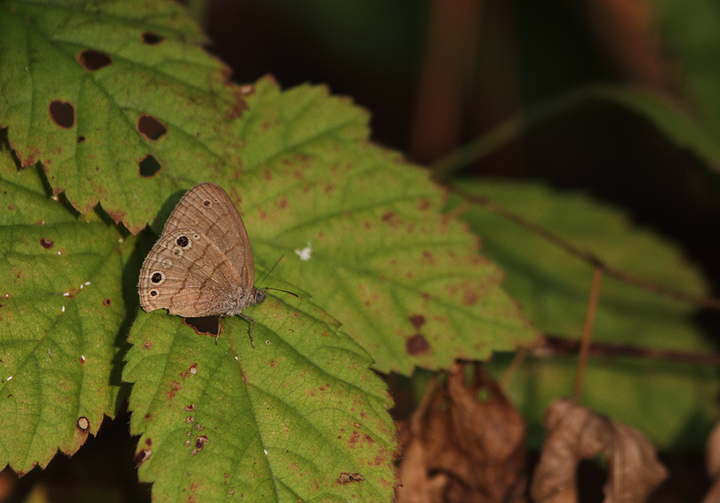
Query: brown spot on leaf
[283,203]
[62,114]
[469,298]
[417,320]
[83,424]
[147,345]
[388,216]
[174,388]
[151,38]
[190,407]
[427,258]
[273,364]
[346,478]
[47,243]
[151,128]
[424,204]
[148,166]
[80,139]
[416,345]
[107,302]
[93,60]
[11,207]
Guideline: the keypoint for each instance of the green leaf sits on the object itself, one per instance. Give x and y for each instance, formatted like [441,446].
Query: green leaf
[98,155]
[679,126]
[404,279]
[61,310]
[671,402]
[692,37]
[298,418]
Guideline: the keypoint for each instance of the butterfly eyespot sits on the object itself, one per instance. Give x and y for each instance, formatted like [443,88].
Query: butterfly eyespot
[196,237]
[183,242]
[157,277]
[207,203]
[153,293]
[177,251]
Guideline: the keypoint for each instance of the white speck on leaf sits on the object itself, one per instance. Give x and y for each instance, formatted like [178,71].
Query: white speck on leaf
[305,253]
[63,309]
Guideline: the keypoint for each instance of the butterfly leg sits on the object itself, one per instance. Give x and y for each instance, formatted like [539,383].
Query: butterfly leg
[252,325]
[218,332]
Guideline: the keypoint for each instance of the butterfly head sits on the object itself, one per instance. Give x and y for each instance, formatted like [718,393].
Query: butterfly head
[258,295]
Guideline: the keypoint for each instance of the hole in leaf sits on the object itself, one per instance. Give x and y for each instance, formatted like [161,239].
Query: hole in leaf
[62,114]
[150,127]
[142,456]
[93,60]
[47,243]
[149,166]
[207,325]
[107,302]
[151,38]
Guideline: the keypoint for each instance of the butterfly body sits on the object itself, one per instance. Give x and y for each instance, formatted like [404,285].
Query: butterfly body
[202,264]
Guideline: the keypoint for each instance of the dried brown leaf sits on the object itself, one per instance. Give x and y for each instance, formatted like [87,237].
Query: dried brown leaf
[712,459]
[575,433]
[461,449]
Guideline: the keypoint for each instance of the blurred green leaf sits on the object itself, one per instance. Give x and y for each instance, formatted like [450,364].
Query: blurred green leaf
[61,310]
[671,402]
[690,33]
[679,126]
[300,417]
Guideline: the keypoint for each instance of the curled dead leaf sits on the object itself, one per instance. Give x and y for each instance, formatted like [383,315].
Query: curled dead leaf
[575,433]
[712,459]
[458,448]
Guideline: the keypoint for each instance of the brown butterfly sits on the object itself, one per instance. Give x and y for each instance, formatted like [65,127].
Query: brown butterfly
[202,265]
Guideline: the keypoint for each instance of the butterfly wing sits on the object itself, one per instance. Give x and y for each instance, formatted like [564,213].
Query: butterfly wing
[208,209]
[189,275]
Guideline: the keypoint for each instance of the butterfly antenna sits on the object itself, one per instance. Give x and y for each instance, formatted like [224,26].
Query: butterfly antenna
[271,270]
[278,290]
